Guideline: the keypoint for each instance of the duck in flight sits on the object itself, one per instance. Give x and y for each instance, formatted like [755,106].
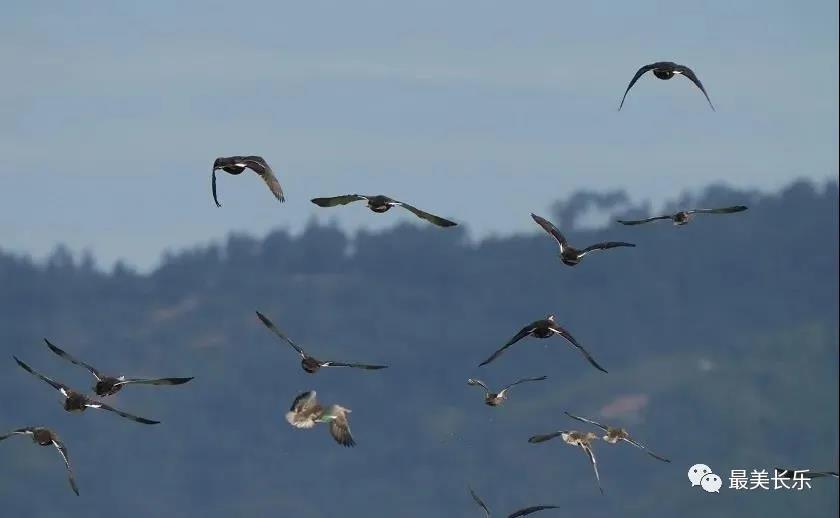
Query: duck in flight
[515,514]
[497,398]
[237,164]
[544,328]
[109,385]
[76,401]
[306,412]
[684,216]
[613,435]
[380,204]
[568,254]
[46,437]
[309,363]
[666,70]
[574,438]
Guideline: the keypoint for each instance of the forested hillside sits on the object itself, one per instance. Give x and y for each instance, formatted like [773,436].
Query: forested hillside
[720,338]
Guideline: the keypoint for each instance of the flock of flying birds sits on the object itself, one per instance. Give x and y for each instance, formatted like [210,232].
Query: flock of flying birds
[306,411]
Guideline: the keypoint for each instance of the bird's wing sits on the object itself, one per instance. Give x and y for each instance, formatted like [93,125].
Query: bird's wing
[261,167]
[480,502]
[279,333]
[354,365]
[340,430]
[523,380]
[157,381]
[20,431]
[334,201]
[645,448]
[98,404]
[591,455]
[473,381]
[639,73]
[545,437]
[63,354]
[530,510]
[525,331]
[604,246]
[585,420]
[565,334]
[304,410]
[437,220]
[64,389]
[687,72]
[62,450]
[304,402]
[640,221]
[550,228]
[723,210]
[213,184]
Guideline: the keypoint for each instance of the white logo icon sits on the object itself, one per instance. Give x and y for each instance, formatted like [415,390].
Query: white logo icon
[697,472]
[711,483]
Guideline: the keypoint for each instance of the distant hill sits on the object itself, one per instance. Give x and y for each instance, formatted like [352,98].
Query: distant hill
[720,337]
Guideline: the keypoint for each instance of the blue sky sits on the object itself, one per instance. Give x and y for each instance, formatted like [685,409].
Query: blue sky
[111,114]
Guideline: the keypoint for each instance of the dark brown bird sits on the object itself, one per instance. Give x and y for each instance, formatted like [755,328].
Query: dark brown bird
[309,363]
[236,164]
[515,514]
[613,435]
[306,412]
[380,204]
[684,216]
[544,328]
[568,254]
[666,70]
[109,385]
[497,398]
[46,437]
[76,401]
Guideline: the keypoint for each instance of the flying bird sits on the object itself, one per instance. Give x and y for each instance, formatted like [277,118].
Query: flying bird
[497,398]
[789,473]
[544,328]
[109,385]
[568,254]
[684,216]
[573,438]
[381,203]
[666,70]
[237,164]
[309,363]
[46,437]
[613,435]
[76,401]
[515,514]
[306,412]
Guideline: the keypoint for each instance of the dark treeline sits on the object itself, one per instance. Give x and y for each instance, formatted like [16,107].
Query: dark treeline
[721,341]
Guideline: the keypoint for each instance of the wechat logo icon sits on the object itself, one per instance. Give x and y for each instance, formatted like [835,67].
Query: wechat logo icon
[701,475]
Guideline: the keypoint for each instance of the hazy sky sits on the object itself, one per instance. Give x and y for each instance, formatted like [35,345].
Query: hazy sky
[111,113]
